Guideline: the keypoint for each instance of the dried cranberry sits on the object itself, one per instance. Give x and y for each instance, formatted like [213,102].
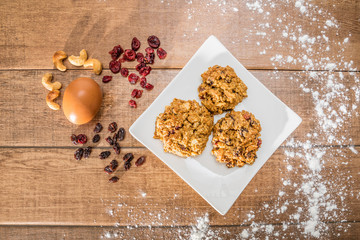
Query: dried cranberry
[259,142]
[153,41]
[74,139]
[114,179]
[106,79]
[143,82]
[116,52]
[132,104]
[127,165]
[96,138]
[109,140]
[149,58]
[246,116]
[87,152]
[149,86]
[140,57]
[104,154]
[116,148]
[134,93]
[124,72]
[112,127]
[140,161]
[133,78]
[129,55]
[128,157]
[161,53]
[78,153]
[135,44]
[145,71]
[140,66]
[81,138]
[121,134]
[108,170]
[149,50]
[115,66]
[98,128]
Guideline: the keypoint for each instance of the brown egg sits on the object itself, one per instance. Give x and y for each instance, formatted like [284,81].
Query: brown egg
[82,100]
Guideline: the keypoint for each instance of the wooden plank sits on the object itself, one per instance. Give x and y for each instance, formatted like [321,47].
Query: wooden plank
[46,186]
[346,231]
[72,26]
[26,120]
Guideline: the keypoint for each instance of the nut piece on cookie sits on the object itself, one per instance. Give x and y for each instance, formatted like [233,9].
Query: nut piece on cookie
[221,89]
[236,139]
[184,128]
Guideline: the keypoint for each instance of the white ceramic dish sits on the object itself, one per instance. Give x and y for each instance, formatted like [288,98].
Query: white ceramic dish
[217,184]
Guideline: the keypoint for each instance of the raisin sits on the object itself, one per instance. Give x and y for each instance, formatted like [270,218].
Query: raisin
[127,165]
[121,134]
[161,53]
[133,78]
[112,127]
[104,154]
[115,137]
[78,153]
[96,138]
[109,140]
[74,139]
[140,57]
[149,50]
[140,66]
[143,82]
[135,44]
[81,138]
[145,71]
[129,55]
[116,52]
[140,161]
[153,41]
[87,152]
[128,157]
[113,179]
[124,72]
[149,86]
[108,170]
[116,148]
[114,164]
[115,66]
[106,79]
[98,128]
[132,104]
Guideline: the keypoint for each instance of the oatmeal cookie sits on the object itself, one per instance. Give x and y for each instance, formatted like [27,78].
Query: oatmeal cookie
[221,89]
[236,139]
[184,127]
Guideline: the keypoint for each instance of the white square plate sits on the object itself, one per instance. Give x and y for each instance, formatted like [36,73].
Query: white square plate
[217,184]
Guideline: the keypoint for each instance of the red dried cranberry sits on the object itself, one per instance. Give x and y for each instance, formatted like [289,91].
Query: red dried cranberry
[134,93]
[153,41]
[113,179]
[133,78]
[161,53]
[98,128]
[124,72]
[145,71]
[109,140]
[112,127]
[143,82]
[246,116]
[149,50]
[140,161]
[106,79]
[115,66]
[116,148]
[74,139]
[259,142]
[116,52]
[78,153]
[81,138]
[135,44]
[129,55]
[140,66]
[140,57]
[132,104]
[149,58]
[149,86]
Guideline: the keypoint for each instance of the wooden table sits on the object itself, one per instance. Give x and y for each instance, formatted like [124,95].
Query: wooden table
[46,194]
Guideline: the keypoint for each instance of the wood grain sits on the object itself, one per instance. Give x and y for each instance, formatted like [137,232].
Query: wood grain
[28,121]
[98,26]
[46,186]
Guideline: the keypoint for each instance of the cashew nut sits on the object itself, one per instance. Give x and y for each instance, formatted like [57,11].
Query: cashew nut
[58,58]
[52,95]
[46,82]
[95,64]
[78,60]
